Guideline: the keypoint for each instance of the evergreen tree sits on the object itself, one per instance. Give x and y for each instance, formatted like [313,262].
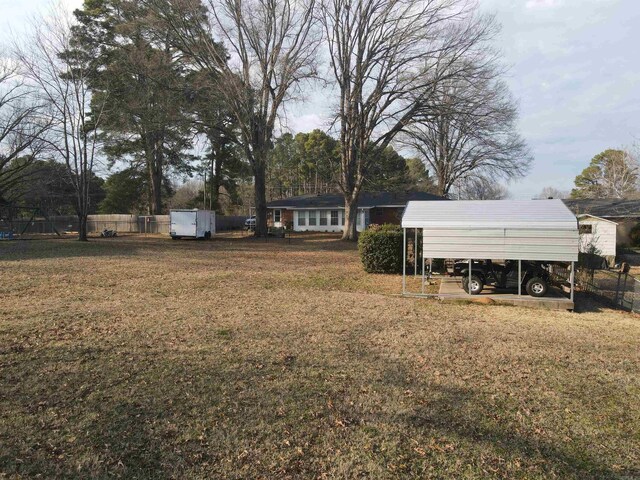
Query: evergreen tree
[135,65]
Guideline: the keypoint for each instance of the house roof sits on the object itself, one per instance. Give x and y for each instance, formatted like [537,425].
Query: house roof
[605,207]
[496,214]
[588,215]
[366,200]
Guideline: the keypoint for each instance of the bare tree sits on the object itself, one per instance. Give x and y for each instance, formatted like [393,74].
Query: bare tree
[22,129]
[58,73]
[268,50]
[551,192]
[387,58]
[470,129]
[480,188]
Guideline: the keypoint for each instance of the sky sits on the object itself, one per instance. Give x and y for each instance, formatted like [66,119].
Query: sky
[574,67]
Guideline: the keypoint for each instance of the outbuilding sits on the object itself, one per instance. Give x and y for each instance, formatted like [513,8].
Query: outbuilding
[598,238]
[521,230]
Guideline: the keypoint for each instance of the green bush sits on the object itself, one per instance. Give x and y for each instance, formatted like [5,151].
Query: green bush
[380,248]
[634,235]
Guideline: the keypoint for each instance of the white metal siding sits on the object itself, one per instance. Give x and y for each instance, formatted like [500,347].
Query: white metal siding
[509,244]
[603,236]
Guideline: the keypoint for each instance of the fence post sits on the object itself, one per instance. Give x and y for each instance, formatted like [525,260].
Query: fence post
[404,260]
[573,279]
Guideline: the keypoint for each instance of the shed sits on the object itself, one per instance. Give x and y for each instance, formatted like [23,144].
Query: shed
[534,230]
[598,237]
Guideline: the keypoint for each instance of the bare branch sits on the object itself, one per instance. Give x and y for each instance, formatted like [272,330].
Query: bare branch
[272,46]
[58,77]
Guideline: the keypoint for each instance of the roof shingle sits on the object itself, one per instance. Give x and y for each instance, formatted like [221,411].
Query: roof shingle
[367,199]
[605,207]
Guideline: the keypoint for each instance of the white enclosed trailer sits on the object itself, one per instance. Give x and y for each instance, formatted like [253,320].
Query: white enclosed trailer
[192,223]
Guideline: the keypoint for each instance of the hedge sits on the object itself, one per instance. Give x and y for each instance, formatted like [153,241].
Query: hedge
[380,248]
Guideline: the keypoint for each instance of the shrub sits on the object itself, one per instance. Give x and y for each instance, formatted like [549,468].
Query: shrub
[634,235]
[380,248]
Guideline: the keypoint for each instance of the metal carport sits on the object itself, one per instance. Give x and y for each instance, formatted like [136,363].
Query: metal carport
[534,230]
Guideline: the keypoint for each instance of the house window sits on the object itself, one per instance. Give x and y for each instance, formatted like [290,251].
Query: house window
[586,229]
[312,218]
[302,221]
[342,217]
[323,217]
[277,216]
[334,217]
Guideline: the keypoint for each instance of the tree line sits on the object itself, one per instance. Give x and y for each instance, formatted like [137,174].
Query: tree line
[140,86]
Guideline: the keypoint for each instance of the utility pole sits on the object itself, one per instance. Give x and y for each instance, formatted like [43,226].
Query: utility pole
[204,192]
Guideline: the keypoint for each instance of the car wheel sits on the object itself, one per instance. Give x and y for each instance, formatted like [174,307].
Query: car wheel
[476,284]
[537,287]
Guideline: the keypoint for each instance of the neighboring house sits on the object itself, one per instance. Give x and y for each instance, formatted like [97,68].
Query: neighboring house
[325,212]
[626,213]
[598,237]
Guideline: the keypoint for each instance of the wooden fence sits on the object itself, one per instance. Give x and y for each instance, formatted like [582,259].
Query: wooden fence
[122,223]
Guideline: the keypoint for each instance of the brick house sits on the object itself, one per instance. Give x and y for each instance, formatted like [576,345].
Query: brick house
[325,212]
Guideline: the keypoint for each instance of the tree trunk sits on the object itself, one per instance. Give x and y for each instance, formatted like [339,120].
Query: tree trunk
[351,218]
[259,172]
[156,192]
[82,227]
[155,160]
[216,181]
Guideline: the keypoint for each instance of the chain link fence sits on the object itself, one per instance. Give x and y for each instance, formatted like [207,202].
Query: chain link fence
[617,288]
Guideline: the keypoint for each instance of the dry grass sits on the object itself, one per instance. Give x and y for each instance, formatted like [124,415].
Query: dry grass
[235,358]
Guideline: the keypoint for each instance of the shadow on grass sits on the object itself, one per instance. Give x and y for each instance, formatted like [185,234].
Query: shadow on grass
[17,250]
[97,413]
[586,303]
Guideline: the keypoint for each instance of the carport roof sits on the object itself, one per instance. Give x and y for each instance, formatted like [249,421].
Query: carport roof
[477,214]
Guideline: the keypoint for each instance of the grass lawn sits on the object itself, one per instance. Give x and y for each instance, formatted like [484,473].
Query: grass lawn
[235,358]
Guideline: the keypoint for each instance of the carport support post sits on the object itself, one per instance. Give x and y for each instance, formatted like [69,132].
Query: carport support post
[469,284]
[404,259]
[573,279]
[519,277]
[422,263]
[415,253]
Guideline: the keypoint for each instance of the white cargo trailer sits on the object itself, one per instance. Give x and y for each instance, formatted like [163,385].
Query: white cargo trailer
[192,223]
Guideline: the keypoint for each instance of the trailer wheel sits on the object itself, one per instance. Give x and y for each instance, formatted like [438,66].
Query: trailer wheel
[175,238]
[476,284]
[537,287]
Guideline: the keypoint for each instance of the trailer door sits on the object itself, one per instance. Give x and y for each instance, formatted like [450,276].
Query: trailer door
[183,224]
